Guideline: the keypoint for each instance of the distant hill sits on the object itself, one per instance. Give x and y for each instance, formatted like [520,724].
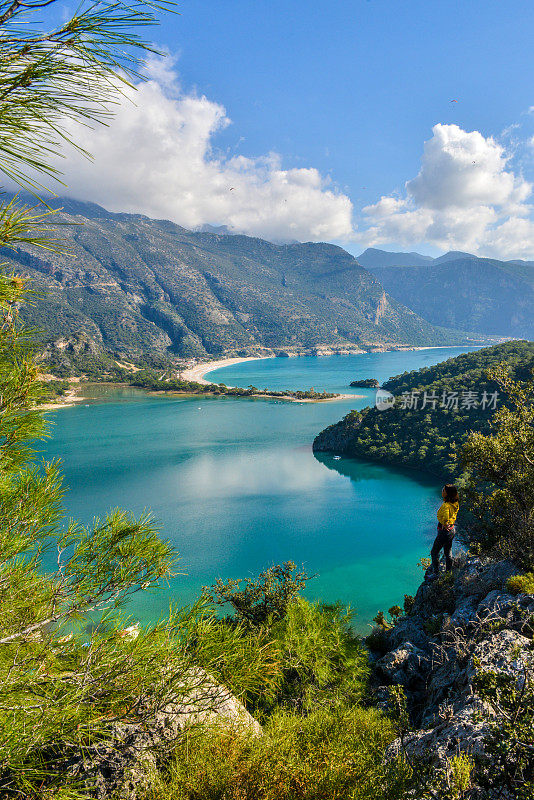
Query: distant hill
[130,285]
[452,255]
[382,258]
[470,293]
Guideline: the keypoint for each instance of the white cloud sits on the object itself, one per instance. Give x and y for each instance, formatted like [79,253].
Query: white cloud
[157,158]
[465,197]
[464,170]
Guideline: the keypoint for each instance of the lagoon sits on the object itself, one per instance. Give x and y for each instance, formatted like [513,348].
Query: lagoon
[233,482]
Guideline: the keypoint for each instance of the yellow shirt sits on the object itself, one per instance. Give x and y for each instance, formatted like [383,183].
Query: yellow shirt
[447,513]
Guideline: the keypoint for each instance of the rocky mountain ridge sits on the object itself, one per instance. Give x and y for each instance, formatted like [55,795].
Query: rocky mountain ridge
[128,285]
[460,290]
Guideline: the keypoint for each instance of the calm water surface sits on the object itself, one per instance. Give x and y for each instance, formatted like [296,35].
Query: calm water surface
[233,483]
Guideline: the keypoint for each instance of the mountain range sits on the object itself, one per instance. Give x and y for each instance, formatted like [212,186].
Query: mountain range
[129,285]
[460,290]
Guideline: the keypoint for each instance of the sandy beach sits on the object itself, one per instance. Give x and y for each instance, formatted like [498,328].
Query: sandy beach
[197,372]
[70,398]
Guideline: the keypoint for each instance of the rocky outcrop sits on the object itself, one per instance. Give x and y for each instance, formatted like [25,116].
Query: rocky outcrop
[458,626]
[124,764]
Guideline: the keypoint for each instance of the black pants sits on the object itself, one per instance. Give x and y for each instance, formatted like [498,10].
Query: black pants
[443,540]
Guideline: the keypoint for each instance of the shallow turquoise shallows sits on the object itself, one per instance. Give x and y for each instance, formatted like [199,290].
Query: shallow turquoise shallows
[233,482]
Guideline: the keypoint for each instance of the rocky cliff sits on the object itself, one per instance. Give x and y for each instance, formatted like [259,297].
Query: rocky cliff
[457,632]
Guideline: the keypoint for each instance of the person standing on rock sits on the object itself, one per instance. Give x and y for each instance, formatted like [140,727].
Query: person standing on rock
[447,514]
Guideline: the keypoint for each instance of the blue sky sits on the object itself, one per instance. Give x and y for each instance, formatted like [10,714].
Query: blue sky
[352,91]
[354,88]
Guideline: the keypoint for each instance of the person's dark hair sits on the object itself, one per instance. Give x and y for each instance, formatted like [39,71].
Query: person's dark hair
[452,493]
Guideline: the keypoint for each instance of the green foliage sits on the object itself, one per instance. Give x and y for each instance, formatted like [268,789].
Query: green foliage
[333,753]
[137,286]
[50,76]
[54,389]
[149,379]
[429,439]
[459,776]
[441,593]
[264,599]
[64,681]
[381,621]
[432,625]
[509,770]
[366,383]
[408,603]
[499,474]
[521,584]
[324,663]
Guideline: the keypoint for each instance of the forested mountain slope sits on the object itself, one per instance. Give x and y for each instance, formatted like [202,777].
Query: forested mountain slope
[131,285]
[425,433]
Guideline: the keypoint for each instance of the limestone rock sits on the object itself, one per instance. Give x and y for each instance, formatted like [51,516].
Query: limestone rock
[405,666]
[456,629]
[127,760]
[479,577]
[506,652]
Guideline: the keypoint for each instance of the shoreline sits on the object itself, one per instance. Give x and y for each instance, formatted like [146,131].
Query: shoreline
[72,398]
[69,399]
[197,372]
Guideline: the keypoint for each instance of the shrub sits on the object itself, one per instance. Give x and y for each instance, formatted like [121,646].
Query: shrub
[322,659]
[264,599]
[521,584]
[499,479]
[409,600]
[509,769]
[395,612]
[331,753]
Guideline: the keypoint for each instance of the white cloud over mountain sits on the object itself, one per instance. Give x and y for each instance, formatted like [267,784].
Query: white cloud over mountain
[465,197]
[157,158]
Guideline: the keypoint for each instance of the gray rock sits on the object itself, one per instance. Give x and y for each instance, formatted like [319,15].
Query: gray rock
[479,577]
[463,732]
[126,762]
[408,629]
[464,614]
[497,603]
[443,702]
[506,652]
[407,665]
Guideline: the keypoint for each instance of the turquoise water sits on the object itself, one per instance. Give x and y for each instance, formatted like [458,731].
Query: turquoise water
[233,483]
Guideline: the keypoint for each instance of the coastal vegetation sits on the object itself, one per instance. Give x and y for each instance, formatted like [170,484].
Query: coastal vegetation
[498,474]
[435,410]
[147,379]
[366,383]
[83,686]
[78,678]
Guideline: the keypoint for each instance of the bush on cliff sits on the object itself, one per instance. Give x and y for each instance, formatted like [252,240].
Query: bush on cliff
[499,475]
[328,754]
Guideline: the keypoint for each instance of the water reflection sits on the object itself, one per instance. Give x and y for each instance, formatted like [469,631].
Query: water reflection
[257,473]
